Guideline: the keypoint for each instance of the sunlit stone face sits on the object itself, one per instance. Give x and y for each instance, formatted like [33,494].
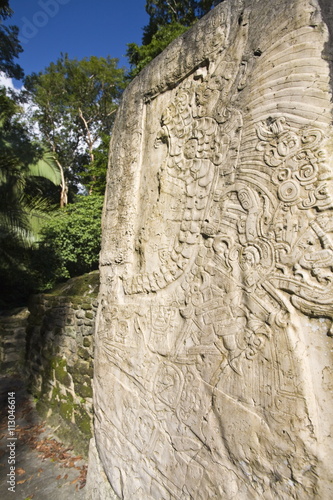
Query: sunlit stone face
[213,339]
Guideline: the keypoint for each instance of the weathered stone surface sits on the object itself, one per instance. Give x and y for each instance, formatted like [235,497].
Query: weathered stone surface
[213,360]
[98,485]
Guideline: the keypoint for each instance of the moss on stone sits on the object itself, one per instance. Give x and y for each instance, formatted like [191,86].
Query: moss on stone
[55,396]
[60,372]
[83,420]
[69,434]
[53,362]
[66,410]
[83,353]
[86,342]
[64,391]
[84,389]
[81,368]
[86,306]
[80,286]
[69,396]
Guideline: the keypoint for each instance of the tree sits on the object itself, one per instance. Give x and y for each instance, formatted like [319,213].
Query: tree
[73,103]
[95,172]
[70,241]
[10,47]
[140,56]
[20,208]
[167,20]
[166,12]
[20,162]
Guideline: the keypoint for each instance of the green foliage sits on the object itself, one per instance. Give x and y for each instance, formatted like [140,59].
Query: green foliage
[70,242]
[21,208]
[10,47]
[73,106]
[166,12]
[168,19]
[21,161]
[46,167]
[95,172]
[140,56]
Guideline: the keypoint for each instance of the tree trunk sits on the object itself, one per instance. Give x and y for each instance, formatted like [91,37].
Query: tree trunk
[64,187]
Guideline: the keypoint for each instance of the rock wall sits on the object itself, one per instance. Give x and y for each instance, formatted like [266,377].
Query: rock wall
[213,362]
[59,357]
[13,326]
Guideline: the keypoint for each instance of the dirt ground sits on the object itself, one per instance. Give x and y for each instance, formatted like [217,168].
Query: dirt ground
[33,463]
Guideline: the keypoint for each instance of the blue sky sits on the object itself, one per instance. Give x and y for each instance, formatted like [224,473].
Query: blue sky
[81,28]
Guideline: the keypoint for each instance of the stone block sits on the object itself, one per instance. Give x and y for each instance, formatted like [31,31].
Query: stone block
[214,338]
[87,342]
[84,353]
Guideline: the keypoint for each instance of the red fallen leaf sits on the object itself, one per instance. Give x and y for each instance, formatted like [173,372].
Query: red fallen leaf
[20,471]
[82,485]
[65,476]
[58,477]
[22,481]
[75,480]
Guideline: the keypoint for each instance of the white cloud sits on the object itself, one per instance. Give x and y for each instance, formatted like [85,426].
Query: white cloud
[8,83]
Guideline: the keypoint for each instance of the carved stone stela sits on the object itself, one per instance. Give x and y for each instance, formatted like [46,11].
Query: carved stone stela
[213,363]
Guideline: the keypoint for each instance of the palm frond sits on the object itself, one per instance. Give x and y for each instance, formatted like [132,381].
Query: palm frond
[47,168]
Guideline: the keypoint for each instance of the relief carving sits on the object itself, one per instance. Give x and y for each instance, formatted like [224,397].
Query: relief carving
[205,332]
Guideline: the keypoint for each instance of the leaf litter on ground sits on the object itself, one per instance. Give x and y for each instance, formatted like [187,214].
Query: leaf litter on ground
[47,447]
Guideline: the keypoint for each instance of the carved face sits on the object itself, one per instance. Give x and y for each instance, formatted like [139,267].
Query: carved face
[250,257]
[190,149]
[205,99]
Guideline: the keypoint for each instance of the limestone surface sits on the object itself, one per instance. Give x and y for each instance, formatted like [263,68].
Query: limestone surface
[213,361]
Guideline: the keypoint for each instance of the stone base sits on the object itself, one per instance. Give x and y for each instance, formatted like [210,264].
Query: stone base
[98,486]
